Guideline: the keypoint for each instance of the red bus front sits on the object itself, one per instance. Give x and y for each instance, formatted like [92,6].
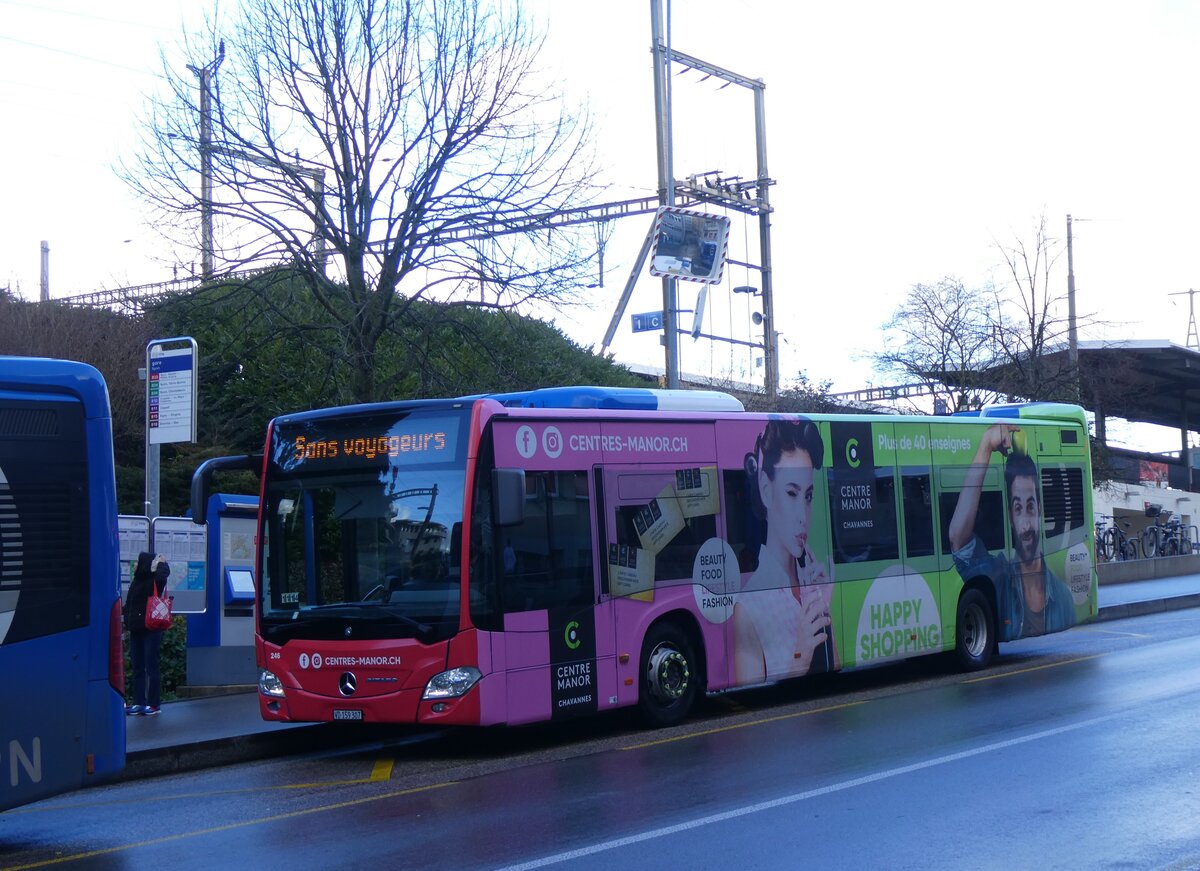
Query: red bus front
[360,601]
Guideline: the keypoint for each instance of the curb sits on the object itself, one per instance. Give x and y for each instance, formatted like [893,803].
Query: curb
[1149,606]
[198,755]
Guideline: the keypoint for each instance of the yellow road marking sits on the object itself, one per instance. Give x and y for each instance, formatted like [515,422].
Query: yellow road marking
[150,842]
[1032,668]
[741,726]
[375,776]
[382,769]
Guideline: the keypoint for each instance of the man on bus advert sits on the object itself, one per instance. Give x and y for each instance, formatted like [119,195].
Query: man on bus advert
[1031,599]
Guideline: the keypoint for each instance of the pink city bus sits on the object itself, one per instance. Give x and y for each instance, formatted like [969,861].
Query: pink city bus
[526,557]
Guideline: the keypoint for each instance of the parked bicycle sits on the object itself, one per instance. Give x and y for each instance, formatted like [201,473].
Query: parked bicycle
[1118,542]
[1187,538]
[1167,539]
[1102,554]
[1156,540]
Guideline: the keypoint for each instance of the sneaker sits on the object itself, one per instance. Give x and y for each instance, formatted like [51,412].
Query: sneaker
[149,711]
[130,710]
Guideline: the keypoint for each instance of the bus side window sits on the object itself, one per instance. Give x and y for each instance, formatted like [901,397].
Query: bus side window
[675,561]
[665,516]
[888,544]
[546,561]
[743,530]
[1062,500]
[990,519]
[863,509]
[918,512]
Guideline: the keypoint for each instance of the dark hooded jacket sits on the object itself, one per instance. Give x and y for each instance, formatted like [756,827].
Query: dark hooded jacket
[144,583]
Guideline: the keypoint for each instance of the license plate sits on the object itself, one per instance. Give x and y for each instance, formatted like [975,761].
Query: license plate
[347,715]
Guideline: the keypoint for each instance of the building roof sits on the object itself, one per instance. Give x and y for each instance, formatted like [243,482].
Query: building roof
[1144,380]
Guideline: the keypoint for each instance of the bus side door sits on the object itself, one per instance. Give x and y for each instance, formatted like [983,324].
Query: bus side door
[918,539]
[663,553]
[953,446]
[552,641]
[889,608]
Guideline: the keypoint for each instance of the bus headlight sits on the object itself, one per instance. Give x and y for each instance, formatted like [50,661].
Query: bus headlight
[269,685]
[453,683]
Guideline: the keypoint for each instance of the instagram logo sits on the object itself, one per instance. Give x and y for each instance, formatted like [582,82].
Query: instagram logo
[552,442]
[526,442]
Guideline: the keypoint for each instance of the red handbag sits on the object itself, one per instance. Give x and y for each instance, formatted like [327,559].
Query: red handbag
[158,612]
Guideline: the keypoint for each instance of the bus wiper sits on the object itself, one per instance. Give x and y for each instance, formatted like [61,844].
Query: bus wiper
[277,632]
[342,516]
[366,612]
[422,629]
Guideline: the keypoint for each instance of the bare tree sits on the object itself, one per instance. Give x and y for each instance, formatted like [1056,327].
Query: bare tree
[1006,340]
[941,336]
[1031,321]
[113,343]
[383,142]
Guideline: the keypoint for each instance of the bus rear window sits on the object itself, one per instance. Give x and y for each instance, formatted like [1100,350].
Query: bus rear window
[44,516]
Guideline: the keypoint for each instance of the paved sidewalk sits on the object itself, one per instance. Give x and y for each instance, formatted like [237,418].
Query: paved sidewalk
[1145,597]
[219,730]
[209,731]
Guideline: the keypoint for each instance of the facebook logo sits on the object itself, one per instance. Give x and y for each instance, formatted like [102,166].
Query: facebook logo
[526,442]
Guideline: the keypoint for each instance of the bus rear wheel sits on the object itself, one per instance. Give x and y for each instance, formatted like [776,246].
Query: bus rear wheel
[975,630]
[670,678]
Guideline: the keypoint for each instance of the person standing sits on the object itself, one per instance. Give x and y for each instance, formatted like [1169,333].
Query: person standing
[149,577]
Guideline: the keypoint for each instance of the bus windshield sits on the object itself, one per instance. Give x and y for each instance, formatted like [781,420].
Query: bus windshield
[362,520]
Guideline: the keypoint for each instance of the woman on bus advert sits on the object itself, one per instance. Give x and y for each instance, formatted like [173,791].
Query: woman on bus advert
[782,623]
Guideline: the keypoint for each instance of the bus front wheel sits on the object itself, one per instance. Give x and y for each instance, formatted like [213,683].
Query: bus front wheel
[669,676]
[975,631]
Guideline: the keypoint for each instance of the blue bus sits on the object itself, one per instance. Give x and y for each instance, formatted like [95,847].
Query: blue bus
[61,668]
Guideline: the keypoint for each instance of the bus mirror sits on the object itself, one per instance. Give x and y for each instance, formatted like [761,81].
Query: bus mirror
[508,496]
[202,480]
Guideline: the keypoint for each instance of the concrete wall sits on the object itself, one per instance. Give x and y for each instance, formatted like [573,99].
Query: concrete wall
[1145,569]
[1129,501]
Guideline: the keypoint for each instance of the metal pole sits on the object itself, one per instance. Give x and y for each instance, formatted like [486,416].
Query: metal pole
[318,183]
[45,277]
[206,183]
[206,175]
[1193,340]
[666,180]
[1073,336]
[626,293]
[770,337]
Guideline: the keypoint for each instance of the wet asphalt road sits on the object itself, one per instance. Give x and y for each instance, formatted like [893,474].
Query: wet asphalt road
[1074,751]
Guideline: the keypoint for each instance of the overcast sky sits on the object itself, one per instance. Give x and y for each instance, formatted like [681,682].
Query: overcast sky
[906,139]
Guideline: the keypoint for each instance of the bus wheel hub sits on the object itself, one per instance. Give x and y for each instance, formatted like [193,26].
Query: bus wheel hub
[668,674]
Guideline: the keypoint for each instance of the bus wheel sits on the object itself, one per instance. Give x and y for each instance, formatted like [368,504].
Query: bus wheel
[974,636]
[669,677]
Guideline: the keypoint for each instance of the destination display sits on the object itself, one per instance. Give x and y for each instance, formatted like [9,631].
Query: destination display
[318,445]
